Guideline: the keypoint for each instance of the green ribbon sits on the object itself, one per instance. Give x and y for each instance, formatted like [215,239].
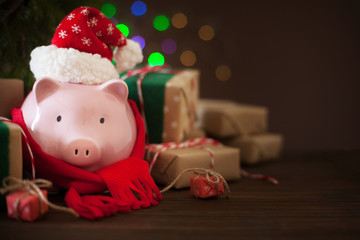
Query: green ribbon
[153,89]
[4,158]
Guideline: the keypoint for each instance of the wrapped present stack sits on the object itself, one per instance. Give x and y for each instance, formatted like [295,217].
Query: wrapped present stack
[11,95]
[242,126]
[10,154]
[168,99]
[19,204]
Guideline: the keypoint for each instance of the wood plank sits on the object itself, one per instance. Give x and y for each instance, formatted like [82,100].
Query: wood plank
[318,198]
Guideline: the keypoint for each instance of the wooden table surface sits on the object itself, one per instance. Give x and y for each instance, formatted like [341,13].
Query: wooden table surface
[318,198]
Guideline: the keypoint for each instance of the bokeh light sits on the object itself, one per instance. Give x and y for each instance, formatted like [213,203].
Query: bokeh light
[206,32]
[138,8]
[108,10]
[188,58]
[223,73]
[139,39]
[124,29]
[155,59]
[168,46]
[161,23]
[179,20]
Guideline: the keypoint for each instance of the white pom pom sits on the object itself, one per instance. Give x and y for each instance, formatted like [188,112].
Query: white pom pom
[128,56]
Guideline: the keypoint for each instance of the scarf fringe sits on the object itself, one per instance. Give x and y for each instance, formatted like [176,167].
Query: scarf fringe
[139,192]
[94,206]
[132,184]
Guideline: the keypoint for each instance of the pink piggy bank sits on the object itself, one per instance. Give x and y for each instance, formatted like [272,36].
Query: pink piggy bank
[88,126]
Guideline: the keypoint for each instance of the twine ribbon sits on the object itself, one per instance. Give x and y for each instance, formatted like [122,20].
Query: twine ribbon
[12,184]
[207,174]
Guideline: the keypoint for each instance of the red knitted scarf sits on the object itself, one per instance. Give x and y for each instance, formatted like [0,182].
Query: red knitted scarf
[128,180]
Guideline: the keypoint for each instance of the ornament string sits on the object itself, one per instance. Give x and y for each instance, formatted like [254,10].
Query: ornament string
[3,119]
[11,184]
[198,143]
[203,172]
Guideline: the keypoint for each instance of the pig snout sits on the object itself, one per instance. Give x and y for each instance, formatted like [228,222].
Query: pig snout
[82,152]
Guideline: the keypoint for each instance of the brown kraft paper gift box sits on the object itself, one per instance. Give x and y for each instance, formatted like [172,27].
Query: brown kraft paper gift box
[194,133]
[181,100]
[223,118]
[257,148]
[173,161]
[171,117]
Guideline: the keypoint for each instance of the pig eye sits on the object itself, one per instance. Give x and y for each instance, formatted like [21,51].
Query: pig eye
[102,120]
[58,118]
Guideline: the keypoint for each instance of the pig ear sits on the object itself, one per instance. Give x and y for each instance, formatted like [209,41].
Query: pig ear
[44,88]
[117,88]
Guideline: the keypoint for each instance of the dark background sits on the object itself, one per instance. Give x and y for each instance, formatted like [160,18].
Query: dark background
[298,58]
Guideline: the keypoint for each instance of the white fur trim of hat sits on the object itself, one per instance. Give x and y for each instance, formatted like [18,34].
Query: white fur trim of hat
[71,65]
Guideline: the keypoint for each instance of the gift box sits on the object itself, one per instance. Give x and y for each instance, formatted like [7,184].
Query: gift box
[10,154]
[200,187]
[257,148]
[170,99]
[25,206]
[222,118]
[172,162]
[11,95]
[194,133]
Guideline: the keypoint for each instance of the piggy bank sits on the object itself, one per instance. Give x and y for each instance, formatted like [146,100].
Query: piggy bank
[88,126]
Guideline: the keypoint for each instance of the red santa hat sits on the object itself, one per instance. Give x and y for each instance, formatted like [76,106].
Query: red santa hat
[80,51]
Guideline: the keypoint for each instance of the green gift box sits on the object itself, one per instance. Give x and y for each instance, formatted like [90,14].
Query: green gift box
[10,154]
[170,98]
